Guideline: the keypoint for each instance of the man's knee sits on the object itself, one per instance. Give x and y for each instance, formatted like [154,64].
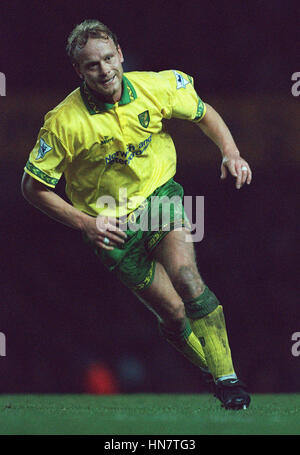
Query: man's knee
[188,281]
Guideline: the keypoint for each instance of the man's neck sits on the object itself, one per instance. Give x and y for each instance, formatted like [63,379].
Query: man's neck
[114,99]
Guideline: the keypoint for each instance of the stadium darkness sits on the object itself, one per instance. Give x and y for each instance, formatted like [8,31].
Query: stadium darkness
[59,311]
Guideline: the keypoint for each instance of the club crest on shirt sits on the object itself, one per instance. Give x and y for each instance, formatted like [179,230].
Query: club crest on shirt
[180,80]
[43,149]
[144,118]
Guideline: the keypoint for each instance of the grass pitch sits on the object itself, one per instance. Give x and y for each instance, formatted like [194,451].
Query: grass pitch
[146,415]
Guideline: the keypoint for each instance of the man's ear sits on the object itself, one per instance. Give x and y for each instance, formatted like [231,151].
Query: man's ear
[77,69]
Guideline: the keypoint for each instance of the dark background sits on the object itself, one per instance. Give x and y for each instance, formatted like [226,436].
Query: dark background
[59,310]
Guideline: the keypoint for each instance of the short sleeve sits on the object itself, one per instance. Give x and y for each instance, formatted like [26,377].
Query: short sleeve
[48,159]
[184,102]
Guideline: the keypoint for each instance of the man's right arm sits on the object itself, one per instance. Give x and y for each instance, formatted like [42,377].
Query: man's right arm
[50,203]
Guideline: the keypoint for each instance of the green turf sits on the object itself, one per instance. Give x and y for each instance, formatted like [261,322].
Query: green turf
[146,415]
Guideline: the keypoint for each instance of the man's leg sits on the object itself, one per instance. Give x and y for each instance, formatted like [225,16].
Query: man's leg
[204,312]
[163,300]
[201,305]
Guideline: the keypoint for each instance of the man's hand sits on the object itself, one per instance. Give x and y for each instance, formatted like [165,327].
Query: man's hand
[237,167]
[103,232]
[215,128]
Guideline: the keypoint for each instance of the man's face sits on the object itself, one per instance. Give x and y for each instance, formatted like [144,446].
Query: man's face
[99,63]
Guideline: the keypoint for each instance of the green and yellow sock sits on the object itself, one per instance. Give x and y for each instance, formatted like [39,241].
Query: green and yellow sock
[207,322]
[186,342]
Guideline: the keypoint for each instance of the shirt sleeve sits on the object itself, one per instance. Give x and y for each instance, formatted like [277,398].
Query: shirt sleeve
[48,159]
[183,100]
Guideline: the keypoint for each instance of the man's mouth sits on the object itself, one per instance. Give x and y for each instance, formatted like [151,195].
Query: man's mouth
[107,82]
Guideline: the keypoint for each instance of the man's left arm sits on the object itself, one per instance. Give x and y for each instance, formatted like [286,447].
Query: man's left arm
[215,128]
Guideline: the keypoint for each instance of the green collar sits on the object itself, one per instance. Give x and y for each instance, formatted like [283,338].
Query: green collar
[95,106]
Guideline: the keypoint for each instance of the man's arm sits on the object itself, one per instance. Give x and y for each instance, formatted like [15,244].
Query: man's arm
[57,208]
[215,128]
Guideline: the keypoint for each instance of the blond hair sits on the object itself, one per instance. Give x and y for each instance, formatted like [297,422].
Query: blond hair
[90,28]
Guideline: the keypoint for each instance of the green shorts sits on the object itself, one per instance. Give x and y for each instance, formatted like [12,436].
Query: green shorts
[159,214]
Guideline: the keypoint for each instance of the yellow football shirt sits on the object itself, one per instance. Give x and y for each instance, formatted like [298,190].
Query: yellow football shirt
[114,156]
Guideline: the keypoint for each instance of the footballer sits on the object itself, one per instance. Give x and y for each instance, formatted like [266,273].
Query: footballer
[107,136]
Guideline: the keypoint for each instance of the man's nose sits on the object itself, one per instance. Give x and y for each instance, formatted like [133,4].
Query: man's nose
[104,69]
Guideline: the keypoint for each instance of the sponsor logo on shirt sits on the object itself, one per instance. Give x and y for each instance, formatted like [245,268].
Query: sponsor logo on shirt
[106,140]
[125,157]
